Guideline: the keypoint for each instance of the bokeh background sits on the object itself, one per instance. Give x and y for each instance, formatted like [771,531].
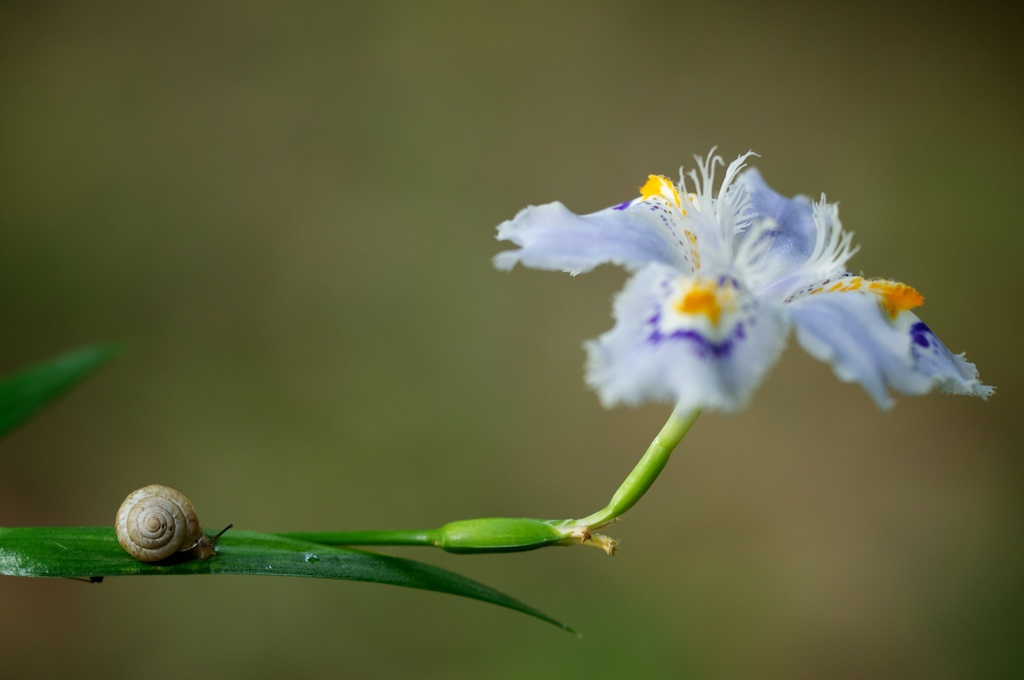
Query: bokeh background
[289,211]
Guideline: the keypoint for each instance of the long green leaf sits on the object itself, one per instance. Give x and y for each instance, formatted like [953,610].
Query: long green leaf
[25,392]
[93,552]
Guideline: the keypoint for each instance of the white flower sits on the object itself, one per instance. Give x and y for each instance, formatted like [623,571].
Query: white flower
[720,277]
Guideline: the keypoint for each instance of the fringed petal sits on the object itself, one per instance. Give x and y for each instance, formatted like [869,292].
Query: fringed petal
[632,234]
[720,275]
[792,231]
[697,341]
[871,338]
[946,371]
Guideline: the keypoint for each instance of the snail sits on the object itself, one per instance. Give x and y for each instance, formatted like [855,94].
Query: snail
[156,521]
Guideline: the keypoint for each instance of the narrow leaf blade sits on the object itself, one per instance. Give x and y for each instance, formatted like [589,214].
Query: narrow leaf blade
[27,391]
[87,552]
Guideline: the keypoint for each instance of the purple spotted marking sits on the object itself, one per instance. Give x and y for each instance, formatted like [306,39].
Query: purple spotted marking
[622,206]
[921,335]
[701,344]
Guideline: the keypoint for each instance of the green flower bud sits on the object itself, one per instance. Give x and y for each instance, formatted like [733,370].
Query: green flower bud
[497,534]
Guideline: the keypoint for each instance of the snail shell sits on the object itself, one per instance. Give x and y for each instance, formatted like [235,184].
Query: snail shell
[156,521]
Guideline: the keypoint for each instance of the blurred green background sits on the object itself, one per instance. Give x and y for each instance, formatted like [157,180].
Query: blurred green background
[289,210]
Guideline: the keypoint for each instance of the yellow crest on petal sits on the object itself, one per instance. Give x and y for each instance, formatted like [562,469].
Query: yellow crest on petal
[700,301]
[705,297]
[894,297]
[661,186]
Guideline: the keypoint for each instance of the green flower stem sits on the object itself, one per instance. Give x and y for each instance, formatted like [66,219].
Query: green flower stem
[489,534]
[511,534]
[644,474]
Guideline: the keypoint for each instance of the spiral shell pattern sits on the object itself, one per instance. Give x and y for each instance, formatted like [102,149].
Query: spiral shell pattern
[156,522]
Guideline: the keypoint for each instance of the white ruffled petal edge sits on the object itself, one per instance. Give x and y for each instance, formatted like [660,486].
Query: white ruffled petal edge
[631,235]
[634,362]
[852,332]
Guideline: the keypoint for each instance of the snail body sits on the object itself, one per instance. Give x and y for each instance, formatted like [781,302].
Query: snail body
[156,522]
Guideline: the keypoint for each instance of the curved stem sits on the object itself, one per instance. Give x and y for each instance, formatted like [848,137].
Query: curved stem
[644,474]
[507,534]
